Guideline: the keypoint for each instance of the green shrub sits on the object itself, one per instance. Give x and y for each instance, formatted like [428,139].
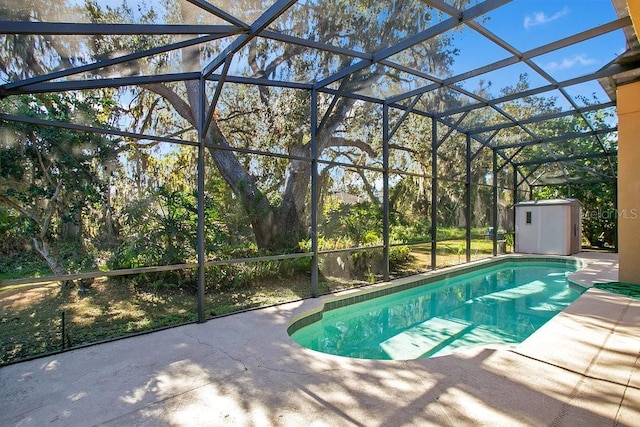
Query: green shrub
[399,256]
[409,233]
[451,233]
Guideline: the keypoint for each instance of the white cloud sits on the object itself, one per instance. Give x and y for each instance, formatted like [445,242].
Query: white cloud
[541,18]
[567,63]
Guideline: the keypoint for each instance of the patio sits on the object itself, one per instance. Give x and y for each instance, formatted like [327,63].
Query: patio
[581,368]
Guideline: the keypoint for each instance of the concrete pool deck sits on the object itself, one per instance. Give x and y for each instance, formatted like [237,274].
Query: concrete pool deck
[579,369]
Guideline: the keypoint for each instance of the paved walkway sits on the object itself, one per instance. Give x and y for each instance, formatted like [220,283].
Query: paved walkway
[580,369]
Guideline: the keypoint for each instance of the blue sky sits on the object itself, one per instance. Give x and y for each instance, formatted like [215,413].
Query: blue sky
[527,24]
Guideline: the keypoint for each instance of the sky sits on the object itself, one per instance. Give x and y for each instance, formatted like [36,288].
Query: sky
[528,24]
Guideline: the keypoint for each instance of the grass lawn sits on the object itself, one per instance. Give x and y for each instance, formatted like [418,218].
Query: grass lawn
[31,315]
[449,252]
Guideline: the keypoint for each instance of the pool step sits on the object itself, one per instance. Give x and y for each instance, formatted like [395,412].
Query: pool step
[426,337]
[521,291]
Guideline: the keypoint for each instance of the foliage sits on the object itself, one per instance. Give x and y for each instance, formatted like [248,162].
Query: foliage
[399,256]
[360,223]
[51,175]
[16,264]
[162,230]
[417,232]
[273,193]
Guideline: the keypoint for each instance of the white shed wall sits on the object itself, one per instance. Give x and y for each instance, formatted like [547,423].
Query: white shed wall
[555,229]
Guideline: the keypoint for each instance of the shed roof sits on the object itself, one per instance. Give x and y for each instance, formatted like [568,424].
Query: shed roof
[549,202]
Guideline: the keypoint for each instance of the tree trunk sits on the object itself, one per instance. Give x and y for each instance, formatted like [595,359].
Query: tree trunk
[290,227]
[109,231]
[43,248]
[71,229]
[274,228]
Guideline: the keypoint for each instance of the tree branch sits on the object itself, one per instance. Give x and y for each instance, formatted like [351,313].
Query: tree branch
[368,187]
[253,63]
[4,200]
[45,172]
[401,148]
[235,114]
[137,145]
[44,226]
[344,142]
[147,120]
[175,100]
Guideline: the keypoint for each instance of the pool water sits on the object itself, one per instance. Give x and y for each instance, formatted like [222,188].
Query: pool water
[492,306]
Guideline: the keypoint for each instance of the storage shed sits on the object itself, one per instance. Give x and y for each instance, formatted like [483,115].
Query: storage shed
[552,227]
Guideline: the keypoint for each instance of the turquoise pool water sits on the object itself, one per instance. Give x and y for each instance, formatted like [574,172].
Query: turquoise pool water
[503,304]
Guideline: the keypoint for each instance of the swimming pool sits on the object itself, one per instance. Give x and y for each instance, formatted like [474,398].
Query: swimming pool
[501,303]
